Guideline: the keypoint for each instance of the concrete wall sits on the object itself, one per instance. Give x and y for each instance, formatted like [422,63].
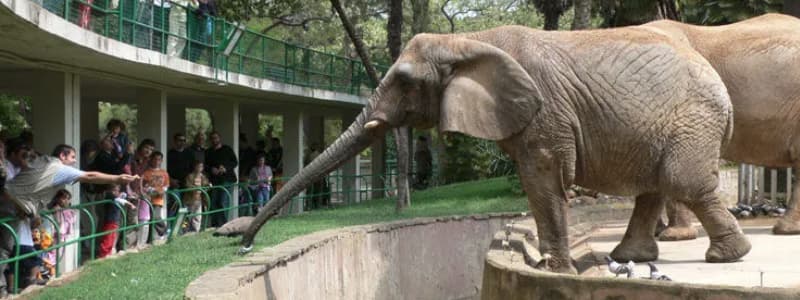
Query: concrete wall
[503,281]
[415,259]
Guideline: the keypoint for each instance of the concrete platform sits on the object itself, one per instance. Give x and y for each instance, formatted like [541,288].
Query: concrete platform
[775,257]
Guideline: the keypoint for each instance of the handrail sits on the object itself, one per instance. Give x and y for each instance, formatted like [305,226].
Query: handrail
[145,25]
[247,207]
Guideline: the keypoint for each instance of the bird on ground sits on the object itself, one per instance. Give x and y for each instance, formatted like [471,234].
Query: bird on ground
[618,268]
[655,274]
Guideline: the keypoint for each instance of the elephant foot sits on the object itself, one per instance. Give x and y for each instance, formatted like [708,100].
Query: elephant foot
[678,234]
[556,265]
[637,251]
[728,248]
[787,227]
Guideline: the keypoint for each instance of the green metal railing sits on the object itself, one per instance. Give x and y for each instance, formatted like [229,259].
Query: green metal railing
[341,190]
[213,41]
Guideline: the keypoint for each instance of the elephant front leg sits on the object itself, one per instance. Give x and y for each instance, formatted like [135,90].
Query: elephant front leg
[542,181]
[680,223]
[638,244]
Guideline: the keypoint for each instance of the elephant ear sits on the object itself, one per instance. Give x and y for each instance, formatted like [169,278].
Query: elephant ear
[490,95]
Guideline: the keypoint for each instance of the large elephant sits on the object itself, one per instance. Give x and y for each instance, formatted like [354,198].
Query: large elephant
[622,111]
[759,61]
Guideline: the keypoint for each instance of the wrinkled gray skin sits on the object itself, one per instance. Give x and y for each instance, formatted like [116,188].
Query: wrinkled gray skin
[621,111]
[759,62]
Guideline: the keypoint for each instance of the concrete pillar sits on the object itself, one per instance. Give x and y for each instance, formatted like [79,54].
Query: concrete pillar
[314,131]
[292,142]
[90,120]
[56,108]
[176,121]
[152,117]
[248,124]
[351,168]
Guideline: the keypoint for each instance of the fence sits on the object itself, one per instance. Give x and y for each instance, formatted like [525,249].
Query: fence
[175,29]
[760,183]
[336,194]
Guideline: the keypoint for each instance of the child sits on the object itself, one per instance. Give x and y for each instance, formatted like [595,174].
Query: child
[112,219]
[155,181]
[28,267]
[65,218]
[262,174]
[194,199]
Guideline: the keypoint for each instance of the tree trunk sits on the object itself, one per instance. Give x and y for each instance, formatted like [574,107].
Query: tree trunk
[357,42]
[420,17]
[551,20]
[402,153]
[583,13]
[394,28]
[394,31]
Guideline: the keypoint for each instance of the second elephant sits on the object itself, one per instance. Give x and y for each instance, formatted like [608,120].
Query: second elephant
[759,62]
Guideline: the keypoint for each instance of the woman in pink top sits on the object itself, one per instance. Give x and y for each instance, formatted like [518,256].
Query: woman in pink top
[262,174]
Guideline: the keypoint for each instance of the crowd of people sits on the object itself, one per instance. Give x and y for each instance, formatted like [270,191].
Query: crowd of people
[120,176]
[175,23]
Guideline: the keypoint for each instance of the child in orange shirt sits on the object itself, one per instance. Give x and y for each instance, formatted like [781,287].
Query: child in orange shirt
[155,182]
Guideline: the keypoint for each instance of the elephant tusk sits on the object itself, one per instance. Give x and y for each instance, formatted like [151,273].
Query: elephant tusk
[372,124]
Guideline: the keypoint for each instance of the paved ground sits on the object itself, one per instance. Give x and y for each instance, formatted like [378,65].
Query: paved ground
[777,257]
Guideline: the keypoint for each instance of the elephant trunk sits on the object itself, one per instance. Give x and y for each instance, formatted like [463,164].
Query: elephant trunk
[347,146]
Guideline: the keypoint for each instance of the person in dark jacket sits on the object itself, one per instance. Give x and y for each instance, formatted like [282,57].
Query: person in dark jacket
[179,161]
[221,164]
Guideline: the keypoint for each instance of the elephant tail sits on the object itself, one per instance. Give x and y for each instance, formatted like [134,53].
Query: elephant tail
[728,134]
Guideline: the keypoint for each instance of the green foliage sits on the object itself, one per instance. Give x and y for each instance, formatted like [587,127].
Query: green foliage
[163,272]
[197,121]
[464,159]
[725,11]
[333,129]
[264,121]
[123,112]
[12,114]
[515,184]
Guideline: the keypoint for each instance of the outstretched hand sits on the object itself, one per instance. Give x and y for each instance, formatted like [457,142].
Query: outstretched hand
[125,178]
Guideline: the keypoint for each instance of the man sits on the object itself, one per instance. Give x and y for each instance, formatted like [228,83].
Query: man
[179,161]
[198,148]
[39,180]
[221,163]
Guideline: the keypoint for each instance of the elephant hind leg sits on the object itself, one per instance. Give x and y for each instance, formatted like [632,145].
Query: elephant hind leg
[638,244]
[694,178]
[790,222]
[728,242]
[680,223]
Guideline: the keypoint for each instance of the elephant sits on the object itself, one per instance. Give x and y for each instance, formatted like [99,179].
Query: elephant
[622,111]
[759,62]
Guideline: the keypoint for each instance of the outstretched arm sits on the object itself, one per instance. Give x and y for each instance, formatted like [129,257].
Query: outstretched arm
[102,178]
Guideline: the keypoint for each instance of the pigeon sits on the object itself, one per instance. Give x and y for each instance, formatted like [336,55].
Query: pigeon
[655,275]
[543,263]
[617,268]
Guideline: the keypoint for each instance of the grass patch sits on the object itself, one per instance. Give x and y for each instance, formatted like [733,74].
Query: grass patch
[164,271]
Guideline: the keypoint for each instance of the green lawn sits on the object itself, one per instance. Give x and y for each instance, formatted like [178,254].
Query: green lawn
[164,271]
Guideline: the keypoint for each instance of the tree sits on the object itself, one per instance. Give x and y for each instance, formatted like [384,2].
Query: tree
[725,11]
[552,11]
[394,33]
[421,19]
[12,115]
[583,14]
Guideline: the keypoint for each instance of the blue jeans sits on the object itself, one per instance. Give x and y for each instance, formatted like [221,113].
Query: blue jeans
[219,199]
[262,195]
